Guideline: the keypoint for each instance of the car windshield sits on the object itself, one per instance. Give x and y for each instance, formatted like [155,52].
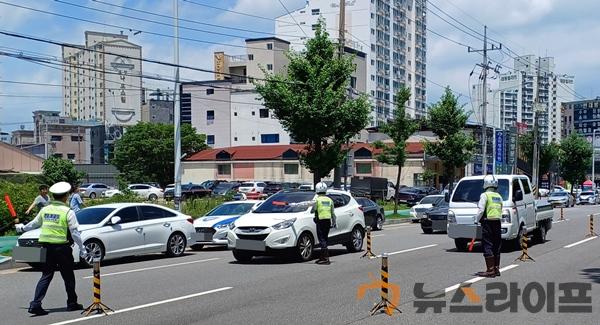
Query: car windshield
[187,186]
[224,186]
[470,190]
[84,185]
[587,193]
[232,209]
[247,185]
[92,216]
[409,190]
[430,200]
[286,203]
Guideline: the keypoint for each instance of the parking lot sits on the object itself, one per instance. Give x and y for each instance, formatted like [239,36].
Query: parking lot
[209,287]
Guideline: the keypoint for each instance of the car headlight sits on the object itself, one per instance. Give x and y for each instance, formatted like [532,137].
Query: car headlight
[284,224]
[451,217]
[225,225]
[506,216]
[232,225]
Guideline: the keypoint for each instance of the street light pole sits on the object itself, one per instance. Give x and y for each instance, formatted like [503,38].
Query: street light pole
[177,112]
[594,157]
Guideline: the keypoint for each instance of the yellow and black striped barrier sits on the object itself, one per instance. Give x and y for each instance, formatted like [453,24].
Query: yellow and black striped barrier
[97,304]
[385,303]
[369,252]
[524,254]
[592,233]
[562,214]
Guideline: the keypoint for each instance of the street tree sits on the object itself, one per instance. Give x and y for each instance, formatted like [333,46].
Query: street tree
[312,102]
[548,153]
[399,130]
[454,147]
[575,157]
[56,170]
[145,152]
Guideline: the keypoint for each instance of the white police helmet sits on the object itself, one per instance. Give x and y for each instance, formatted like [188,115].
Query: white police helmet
[321,187]
[489,181]
[60,188]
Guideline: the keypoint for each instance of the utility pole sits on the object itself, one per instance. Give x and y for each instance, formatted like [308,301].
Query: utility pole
[536,148]
[177,112]
[341,43]
[485,65]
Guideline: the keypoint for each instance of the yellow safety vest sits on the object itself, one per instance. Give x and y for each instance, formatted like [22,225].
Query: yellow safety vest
[324,206]
[55,224]
[493,207]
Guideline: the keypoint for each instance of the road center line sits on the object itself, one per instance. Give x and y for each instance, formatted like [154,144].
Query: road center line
[559,221]
[580,242]
[477,279]
[408,250]
[156,267]
[144,306]
[379,235]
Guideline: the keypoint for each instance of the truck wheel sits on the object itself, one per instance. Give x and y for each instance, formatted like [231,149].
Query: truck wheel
[461,244]
[540,233]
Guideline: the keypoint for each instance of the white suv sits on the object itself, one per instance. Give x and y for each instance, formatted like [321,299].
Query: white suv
[248,187]
[282,225]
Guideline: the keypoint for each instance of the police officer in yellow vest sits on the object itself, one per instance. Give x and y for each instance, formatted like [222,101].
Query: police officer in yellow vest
[489,215]
[325,219]
[58,224]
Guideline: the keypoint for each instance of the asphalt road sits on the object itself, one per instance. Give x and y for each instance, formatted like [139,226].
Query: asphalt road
[209,287]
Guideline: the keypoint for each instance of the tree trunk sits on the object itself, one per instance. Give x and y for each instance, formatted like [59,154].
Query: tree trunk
[316,178]
[397,189]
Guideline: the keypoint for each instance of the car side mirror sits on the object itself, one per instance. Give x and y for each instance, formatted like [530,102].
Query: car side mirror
[115,220]
[518,196]
[447,197]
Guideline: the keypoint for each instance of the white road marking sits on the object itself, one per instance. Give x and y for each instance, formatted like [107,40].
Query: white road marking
[144,306]
[400,225]
[379,235]
[11,271]
[476,279]
[580,242]
[156,267]
[560,221]
[409,250]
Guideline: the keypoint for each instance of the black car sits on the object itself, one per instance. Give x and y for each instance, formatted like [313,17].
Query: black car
[188,191]
[272,188]
[374,214]
[411,195]
[225,188]
[436,218]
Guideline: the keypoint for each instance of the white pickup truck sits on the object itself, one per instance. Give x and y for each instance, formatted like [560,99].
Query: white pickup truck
[520,211]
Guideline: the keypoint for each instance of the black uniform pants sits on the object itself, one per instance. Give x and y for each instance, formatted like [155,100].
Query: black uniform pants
[58,257]
[491,240]
[323,227]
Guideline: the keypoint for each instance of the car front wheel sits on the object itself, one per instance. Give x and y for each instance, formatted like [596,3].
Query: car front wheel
[152,197]
[95,250]
[305,247]
[176,245]
[356,240]
[92,195]
[378,223]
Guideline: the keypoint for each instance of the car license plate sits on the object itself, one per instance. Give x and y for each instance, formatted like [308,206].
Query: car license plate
[29,254]
[203,236]
[251,245]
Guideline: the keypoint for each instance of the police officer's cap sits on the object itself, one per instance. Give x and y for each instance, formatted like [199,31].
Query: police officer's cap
[60,188]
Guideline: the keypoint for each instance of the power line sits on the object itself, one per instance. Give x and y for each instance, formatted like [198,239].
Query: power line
[291,16]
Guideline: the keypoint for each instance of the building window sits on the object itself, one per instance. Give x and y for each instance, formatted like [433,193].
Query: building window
[56,138]
[210,139]
[270,67]
[224,169]
[269,46]
[363,168]
[210,91]
[76,138]
[210,115]
[250,57]
[314,26]
[70,156]
[263,112]
[253,138]
[269,138]
[253,113]
[234,138]
[353,82]
[234,113]
[315,12]
[290,169]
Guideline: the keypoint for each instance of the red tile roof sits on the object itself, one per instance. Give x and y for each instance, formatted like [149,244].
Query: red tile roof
[274,152]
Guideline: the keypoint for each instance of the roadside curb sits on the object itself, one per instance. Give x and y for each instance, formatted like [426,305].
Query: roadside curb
[396,221]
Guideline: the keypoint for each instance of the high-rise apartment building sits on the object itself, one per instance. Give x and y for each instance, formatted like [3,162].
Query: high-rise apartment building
[518,91]
[392,33]
[102,80]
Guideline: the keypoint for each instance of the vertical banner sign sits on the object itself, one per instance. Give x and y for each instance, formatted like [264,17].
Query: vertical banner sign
[499,152]
[511,156]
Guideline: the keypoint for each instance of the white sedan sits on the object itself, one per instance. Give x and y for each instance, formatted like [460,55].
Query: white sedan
[145,191]
[212,228]
[115,230]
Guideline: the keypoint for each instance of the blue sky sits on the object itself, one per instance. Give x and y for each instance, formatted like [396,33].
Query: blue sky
[553,27]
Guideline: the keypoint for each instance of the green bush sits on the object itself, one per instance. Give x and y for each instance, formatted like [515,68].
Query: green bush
[21,196]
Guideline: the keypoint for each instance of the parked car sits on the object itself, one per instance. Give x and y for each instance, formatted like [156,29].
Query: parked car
[145,191]
[225,188]
[374,214]
[417,211]
[154,184]
[561,198]
[412,195]
[211,184]
[435,218]
[284,225]
[587,197]
[188,191]
[92,190]
[272,188]
[544,191]
[249,187]
[115,230]
[306,187]
[211,229]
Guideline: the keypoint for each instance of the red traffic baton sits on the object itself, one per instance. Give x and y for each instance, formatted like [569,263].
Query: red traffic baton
[11,209]
[471,244]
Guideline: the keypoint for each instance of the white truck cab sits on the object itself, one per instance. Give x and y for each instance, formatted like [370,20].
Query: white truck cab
[520,211]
